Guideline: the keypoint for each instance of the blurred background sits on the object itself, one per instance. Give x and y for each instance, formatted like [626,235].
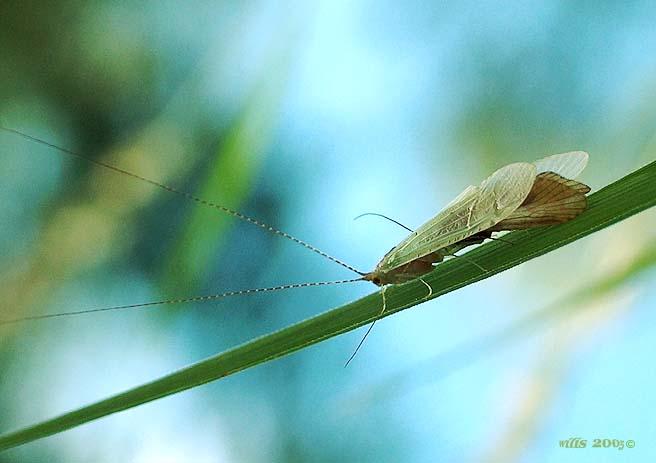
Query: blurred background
[304,115]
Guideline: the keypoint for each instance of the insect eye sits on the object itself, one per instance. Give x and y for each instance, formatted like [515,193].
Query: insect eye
[376,281]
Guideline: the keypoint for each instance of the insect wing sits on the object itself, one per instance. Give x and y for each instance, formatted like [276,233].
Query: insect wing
[552,200]
[505,190]
[477,209]
[467,193]
[568,165]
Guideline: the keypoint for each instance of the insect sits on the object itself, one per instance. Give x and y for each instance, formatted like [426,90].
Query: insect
[518,196]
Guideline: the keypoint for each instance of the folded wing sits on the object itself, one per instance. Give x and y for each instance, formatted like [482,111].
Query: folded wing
[568,165]
[477,209]
[553,199]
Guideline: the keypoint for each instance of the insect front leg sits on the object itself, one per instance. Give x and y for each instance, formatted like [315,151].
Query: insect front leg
[382,312]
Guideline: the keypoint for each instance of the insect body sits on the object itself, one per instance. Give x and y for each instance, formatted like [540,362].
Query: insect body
[517,196]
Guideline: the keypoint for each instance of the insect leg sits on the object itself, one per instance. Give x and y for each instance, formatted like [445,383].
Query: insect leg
[496,238]
[470,261]
[382,293]
[430,289]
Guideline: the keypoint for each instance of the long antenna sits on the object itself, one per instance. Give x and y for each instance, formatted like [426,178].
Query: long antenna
[198,200]
[211,297]
[384,217]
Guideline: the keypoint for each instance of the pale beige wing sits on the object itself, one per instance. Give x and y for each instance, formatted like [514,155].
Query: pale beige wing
[552,200]
[568,165]
[478,209]
[468,192]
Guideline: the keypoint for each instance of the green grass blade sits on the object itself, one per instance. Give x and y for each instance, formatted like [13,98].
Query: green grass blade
[463,355]
[624,198]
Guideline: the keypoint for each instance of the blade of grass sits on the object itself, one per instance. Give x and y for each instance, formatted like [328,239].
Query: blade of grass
[619,200]
[465,354]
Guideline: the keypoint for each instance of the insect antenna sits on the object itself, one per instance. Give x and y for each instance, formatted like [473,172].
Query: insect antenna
[384,217]
[206,298]
[184,194]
